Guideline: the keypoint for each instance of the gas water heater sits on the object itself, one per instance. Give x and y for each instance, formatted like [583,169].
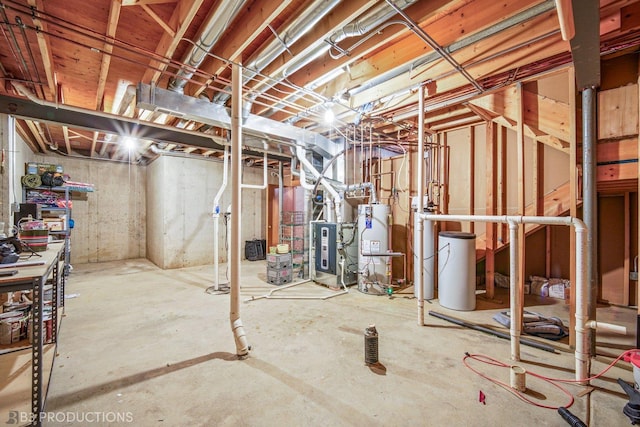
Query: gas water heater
[374,267]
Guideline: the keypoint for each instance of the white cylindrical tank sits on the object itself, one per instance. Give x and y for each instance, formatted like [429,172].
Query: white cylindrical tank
[457,270]
[373,230]
[428,260]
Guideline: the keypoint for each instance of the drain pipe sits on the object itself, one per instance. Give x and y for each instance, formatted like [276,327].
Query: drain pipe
[216,220]
[583,323]
[265,178]
[337,199]
[242,347]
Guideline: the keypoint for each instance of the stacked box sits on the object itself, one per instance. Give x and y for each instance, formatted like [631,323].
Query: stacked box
[279,261]
[279,276]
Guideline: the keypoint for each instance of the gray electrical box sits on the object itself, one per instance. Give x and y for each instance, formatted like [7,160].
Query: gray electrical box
[334,254]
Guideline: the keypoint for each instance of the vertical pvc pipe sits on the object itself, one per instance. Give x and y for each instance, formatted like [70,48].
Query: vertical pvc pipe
[589,201]
[242,348]
[514,292]
[419,229]
[216,222]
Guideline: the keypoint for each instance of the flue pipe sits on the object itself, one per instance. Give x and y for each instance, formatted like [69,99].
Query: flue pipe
[583,323]
[242,348]
[216,221]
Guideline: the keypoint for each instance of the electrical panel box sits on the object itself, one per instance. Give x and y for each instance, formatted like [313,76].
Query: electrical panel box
[334,253]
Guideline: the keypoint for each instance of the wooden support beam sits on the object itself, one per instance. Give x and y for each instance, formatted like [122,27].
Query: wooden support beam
[520,159]
[67,141]
[472,172]
[502,182]
[107,48]
[44,45]
[37,134]
[491,206]
[158,20]
[445,173]
[538,178]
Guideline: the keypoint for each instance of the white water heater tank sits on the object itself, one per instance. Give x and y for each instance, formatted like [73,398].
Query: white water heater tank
[457,270]
[373,230]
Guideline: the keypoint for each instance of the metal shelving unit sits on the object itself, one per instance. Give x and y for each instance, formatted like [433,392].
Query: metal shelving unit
[294,232]
[48,199]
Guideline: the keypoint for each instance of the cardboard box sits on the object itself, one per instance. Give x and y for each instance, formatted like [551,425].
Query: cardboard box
[559,291]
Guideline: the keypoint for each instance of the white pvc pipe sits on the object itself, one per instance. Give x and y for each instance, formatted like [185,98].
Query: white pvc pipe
[242,347]
[216,221]
[265,181]
[583,324]
[419,281]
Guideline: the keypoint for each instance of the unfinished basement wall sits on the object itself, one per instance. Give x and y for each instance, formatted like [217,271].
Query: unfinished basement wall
[109,222]
[180,193]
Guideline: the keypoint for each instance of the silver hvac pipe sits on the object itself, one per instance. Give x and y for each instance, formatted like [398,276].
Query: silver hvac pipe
[216,23]
[216,221]
[242,348]
[358,27]
[420,225]
[296,29]
[583,324]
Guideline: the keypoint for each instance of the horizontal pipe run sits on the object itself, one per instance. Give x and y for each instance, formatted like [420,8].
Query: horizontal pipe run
[392,254]
[582,325]
[498,334]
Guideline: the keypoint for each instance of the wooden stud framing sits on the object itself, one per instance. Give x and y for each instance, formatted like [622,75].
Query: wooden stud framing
[492,190]
[472,169]
[502,183]
[521,194]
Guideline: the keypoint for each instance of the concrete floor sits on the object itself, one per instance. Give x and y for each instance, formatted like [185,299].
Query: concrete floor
[153,348]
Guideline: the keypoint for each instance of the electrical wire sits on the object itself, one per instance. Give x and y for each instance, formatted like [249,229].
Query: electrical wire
[553,381]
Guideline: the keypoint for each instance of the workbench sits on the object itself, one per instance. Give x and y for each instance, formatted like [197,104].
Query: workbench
[32,275]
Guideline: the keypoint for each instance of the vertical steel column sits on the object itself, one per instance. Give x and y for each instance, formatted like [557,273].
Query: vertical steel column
[589,201]
[242,348]
[419,281]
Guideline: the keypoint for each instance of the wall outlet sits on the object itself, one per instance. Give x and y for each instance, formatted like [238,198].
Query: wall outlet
[633,275]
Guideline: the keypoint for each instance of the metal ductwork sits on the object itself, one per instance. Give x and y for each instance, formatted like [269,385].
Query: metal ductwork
[358,27]
[431,57]
[216,23]
[153,98]
[296,29]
